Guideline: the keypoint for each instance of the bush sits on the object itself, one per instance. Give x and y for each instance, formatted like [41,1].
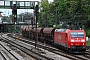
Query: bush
[58,26]
[88,32]
[88,42]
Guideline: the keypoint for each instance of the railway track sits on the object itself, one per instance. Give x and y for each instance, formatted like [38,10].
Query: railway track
[6,53]
[2,56]
[28,51]
[16,52]
[59,52]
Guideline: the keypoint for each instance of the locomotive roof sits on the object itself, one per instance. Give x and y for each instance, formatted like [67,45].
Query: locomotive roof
[60,30]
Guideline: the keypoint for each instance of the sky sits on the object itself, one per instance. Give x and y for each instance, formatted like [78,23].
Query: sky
[7,12]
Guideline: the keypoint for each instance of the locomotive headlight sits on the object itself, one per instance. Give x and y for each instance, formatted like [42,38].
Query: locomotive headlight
[82,40]
[72,40]
[71,43]
[83,43]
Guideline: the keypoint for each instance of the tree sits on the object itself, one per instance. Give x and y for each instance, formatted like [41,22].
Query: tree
[44,5]
[71,12]
[74,11]
[48,12]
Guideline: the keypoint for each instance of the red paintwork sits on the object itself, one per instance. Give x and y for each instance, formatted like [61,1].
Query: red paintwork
[63,38]
[60,37]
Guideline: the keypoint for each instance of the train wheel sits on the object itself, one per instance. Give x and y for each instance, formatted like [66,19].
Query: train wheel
[70,50]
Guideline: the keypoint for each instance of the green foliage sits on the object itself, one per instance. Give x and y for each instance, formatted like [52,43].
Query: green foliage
[61,7]
[8,30]
[68,11]
[3,19]
[46,13]
[89,17]
[58,26]
[88,43]
[88,32]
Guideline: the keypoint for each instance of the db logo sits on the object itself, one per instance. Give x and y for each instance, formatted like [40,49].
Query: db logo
[59,37]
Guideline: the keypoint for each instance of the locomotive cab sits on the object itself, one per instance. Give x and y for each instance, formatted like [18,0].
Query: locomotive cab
[77,40]
[73,41]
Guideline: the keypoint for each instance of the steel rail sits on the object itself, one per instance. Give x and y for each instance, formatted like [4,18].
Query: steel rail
[24,49]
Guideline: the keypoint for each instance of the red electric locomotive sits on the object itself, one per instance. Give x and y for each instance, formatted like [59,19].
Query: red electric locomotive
[71,40]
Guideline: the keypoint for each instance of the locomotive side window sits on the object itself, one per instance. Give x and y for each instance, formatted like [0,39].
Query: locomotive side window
[77,34]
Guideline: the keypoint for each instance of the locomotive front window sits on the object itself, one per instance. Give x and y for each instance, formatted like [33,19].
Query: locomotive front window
[73,34]
[80,34]
[77,34]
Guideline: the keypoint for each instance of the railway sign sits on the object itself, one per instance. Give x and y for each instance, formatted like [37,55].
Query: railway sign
[20,4]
